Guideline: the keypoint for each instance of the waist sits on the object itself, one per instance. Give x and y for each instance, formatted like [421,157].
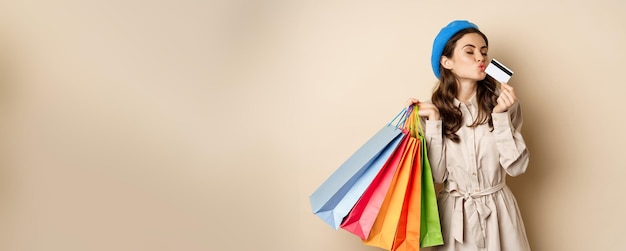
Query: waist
[452,188]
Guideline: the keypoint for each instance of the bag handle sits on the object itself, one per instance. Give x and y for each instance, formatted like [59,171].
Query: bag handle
[413,122]
[420,127]
[410,120]
[402,120]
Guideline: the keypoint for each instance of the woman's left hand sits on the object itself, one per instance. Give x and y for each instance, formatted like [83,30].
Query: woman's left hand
[506,99]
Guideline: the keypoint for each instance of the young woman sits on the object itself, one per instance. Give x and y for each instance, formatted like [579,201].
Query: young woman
[474,140]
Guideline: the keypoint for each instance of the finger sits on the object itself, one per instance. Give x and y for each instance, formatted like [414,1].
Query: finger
[500,101]
[428,112]
[424,112]
[505,85]
[505,93]
[424,105]
[503,100]
[509,88]
[506,98]
[427,107]
[511,95]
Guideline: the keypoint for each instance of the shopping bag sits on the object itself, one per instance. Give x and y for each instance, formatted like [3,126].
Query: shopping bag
[408,231]
[384,229]
[430,226]
[362,216]
[333,200]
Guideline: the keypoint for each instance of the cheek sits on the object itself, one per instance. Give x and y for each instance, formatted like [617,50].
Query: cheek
[463,59]
[467,58]
[464,62]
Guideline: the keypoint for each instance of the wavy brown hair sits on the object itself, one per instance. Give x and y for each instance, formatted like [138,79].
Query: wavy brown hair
[447,88]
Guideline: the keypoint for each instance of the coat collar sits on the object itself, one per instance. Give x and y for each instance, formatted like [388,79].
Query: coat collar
[472,101]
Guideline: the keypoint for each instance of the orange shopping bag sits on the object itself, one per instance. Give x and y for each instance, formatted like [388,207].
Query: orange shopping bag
[408,231]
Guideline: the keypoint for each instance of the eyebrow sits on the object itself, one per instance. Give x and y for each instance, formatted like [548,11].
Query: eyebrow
[471,45]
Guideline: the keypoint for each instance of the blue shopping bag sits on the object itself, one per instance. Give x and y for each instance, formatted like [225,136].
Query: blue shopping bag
[334,199]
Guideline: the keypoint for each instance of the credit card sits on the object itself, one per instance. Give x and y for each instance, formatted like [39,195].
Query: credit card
[498,71]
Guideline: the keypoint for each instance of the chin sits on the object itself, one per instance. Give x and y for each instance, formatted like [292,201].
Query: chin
[481,76]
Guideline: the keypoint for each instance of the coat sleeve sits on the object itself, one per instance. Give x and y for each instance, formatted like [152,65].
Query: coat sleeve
[436,150]
[509,141]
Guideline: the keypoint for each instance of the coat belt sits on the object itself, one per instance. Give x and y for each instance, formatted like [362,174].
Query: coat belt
[466,203]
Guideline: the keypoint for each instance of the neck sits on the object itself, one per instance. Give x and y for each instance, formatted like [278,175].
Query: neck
[467,89]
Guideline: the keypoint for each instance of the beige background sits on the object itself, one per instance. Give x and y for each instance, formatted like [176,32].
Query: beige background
[201,125]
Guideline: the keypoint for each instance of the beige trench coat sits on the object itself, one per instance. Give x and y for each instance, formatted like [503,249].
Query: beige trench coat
[478,211]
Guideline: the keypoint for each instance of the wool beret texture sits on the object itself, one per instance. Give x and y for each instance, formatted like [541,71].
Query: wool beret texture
[442,38]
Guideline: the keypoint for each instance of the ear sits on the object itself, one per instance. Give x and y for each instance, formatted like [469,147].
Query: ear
[446,62]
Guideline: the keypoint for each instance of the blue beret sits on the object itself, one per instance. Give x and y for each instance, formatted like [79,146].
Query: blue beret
[442,38]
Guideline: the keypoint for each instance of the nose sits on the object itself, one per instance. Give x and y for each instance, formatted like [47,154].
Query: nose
[480,57]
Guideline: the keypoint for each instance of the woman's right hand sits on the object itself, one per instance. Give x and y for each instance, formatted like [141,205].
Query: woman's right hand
[425,109]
